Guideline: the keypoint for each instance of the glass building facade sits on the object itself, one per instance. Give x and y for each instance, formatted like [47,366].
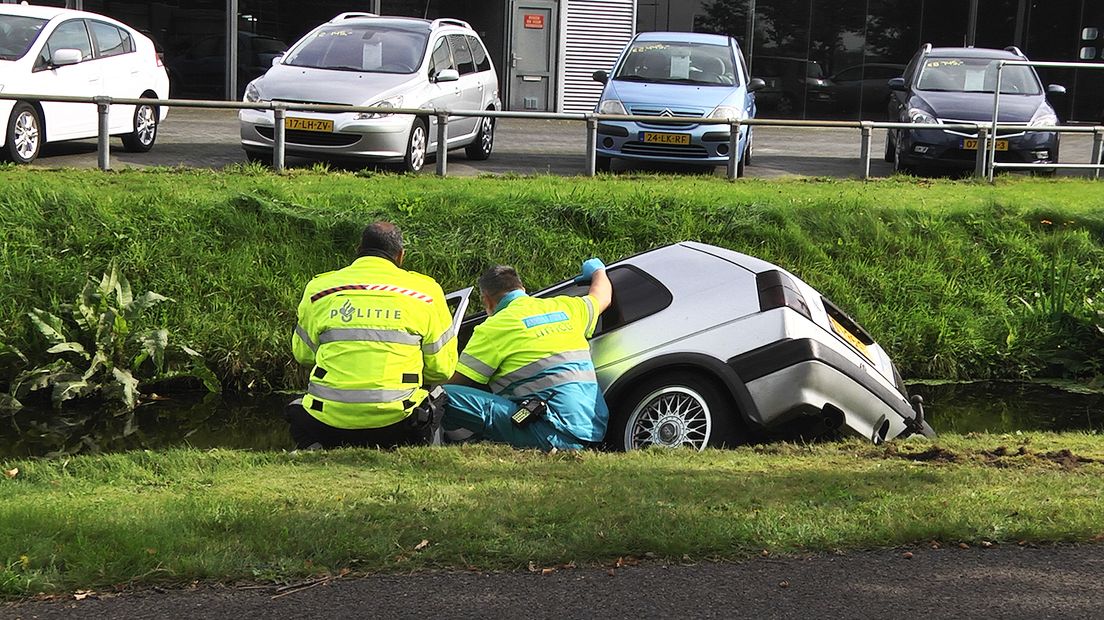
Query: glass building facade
[821,58]
[856,44]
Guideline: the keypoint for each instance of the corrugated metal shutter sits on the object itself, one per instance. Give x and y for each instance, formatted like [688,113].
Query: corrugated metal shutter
[596,32]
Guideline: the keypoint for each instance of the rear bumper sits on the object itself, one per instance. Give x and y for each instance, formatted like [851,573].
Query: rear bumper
[792,378]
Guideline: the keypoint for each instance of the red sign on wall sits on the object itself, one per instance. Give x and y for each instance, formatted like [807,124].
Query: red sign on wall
[534,21]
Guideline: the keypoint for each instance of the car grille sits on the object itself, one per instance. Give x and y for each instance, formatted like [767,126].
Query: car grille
[689,151]
[312,138]
[973,134]
[654,111]
[295,101]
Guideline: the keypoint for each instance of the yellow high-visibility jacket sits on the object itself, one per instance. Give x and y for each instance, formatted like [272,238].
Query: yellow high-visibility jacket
[374,334]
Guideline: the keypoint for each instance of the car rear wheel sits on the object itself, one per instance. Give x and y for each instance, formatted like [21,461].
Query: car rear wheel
[146,118]
[24,137]
[416,147]
[480,148]
[676,409]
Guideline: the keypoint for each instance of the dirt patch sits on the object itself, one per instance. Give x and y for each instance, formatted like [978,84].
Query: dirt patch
[934,454]
[1000,456]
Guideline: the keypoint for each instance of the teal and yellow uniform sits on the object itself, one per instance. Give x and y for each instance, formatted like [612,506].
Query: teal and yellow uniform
[532,348]
[374,334]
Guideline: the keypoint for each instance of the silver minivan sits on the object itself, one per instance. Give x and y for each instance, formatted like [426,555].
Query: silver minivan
[360,59]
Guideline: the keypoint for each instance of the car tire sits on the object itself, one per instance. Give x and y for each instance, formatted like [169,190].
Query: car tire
[674,409]
[750,148]
[900,167]
[785,105]
[146,121]
[889,148]
[259,157]
[24,137]
[417,146]
[603,164]
[481,146]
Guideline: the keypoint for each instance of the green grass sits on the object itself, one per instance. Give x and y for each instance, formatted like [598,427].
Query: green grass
[956,279]
[143,518]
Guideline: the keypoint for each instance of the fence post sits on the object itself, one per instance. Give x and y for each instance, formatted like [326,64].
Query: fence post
[733,148]
[591,143]
[864,149]
[103,133]
[442,143]
[1098,150]
[982,150]
[279,135]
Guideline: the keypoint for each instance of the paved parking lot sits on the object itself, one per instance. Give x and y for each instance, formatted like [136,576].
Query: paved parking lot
[209,139]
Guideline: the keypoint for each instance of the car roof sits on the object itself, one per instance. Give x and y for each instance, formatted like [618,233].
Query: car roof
[684,37]
[973,52]
[40,12]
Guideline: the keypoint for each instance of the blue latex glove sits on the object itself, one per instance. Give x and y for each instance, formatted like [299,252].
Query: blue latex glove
[589,267]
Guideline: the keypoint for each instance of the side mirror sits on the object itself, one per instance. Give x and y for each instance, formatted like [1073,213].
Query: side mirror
[755,84]
[65,56]
[600,76]
[278,59]
[1056,89]
[897,84]
[447,75]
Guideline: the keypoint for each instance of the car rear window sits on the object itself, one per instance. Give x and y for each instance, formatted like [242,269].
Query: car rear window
[17,35]
[672,62]
[361,47]
[636,295]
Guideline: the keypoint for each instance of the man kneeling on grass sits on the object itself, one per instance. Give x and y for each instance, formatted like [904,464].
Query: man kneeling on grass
[533,356]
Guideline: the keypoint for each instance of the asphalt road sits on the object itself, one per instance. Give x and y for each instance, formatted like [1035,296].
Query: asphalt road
[999,582]
[209,139]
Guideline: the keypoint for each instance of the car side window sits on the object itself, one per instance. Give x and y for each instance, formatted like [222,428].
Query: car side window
[441,58]
[635,295]
[69,35]
[110,41]
[479,54]
[462,53]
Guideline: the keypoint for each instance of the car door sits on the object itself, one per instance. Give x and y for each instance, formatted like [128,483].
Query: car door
[442,94]
[65,121]
[122,75]
[471,87]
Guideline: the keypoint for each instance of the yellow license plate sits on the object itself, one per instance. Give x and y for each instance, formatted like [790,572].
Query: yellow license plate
[970,144]
[666,138]
[849,337]
[307,124]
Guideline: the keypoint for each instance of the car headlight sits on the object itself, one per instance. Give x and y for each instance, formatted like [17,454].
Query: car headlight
[252,93]
[916,115]
[727,112]
[611,106]
[1044,118]
[393,102]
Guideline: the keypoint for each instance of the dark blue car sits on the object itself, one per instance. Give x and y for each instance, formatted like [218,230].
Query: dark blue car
[948,85]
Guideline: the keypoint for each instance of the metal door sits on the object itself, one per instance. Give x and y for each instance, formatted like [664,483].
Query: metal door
[532,55]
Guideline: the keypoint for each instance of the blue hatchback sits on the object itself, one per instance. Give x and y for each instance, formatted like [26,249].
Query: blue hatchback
[684,76]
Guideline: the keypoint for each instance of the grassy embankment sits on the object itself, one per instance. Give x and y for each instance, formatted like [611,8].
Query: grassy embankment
[957,280]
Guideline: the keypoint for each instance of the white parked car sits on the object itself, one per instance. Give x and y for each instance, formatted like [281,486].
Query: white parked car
[50,51]
[360,59]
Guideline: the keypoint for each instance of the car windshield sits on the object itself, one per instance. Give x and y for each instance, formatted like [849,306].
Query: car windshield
[976,75]
[678,63]
[373,48]
[17,35]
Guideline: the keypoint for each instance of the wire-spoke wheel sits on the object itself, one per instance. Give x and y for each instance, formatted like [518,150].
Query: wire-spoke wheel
[24,139]
[416,147]
[679,409]
[145,129]
[481,146]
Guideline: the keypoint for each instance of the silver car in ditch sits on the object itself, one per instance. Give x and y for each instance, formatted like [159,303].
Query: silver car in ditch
[360,59]
[704,346]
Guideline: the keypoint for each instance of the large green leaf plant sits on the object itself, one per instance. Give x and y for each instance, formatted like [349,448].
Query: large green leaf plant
[93,351]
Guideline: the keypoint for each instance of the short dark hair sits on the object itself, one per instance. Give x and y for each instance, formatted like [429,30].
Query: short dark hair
[381,238]
[499,280]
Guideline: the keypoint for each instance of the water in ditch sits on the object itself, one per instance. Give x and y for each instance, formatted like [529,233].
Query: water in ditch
[257,423]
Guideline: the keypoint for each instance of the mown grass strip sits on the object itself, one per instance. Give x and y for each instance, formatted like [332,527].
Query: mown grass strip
[956,279]
[141,518]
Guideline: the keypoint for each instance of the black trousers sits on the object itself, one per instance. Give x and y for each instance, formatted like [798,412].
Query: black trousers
[307,430]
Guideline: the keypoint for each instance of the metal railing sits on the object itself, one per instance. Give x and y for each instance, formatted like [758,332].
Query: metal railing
[591,121]
[1095,158]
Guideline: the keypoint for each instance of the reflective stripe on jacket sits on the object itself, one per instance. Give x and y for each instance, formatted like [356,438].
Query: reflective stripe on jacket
[538,347]
[374,334]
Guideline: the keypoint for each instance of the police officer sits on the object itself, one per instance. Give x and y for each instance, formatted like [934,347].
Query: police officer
[533,357]
[374,335]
